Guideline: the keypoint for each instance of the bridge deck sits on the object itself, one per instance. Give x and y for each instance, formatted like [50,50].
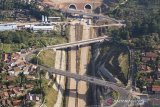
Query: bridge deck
[85,78]
[78,43]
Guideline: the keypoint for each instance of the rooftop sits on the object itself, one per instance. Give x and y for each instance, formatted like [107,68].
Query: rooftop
[156,88]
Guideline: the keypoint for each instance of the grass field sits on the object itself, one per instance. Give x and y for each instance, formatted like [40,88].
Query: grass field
[48,58]
[123,60]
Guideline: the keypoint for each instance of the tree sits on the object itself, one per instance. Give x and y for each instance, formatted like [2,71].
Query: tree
[5,82]
[2,64]
[22,78]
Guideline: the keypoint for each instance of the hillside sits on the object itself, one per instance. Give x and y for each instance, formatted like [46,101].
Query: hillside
[11,10]
[142,18]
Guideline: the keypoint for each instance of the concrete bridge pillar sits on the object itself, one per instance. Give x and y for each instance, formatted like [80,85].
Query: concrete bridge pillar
[54,49]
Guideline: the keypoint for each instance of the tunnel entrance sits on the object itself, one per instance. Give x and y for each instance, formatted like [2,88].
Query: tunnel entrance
[72,7]
[88,7]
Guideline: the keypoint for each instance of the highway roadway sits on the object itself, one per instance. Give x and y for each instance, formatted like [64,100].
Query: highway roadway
[117,87]
[71,44]
[110,25]
[124,94]
[86,78]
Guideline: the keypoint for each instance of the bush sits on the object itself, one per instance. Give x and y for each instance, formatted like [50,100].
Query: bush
[32,103]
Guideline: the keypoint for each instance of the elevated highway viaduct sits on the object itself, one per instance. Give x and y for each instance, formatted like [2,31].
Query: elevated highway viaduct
[78,43]
[123,92]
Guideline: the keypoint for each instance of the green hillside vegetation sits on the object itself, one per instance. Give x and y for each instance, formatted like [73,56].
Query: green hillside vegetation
[9,10]
[12,41]
[50,93]
[48,58]
[142,18]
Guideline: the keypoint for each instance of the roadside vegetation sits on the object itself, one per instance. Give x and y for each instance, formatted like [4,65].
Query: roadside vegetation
[12,41]
[50,94]
[47,58]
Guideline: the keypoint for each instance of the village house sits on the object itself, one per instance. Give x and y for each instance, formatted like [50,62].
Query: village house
[17,91]
[144,68]
[11,93]
[146,59]
[17,70]
[4,87]
[156,102]
[16,103]
[33,97]
[5,95]
[147,56]
[3,102]
[156,89]
[16,56]
[6,57]
[15,64]
[29,77]
[29,86]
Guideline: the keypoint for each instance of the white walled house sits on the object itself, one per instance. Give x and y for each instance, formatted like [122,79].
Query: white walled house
[8,26]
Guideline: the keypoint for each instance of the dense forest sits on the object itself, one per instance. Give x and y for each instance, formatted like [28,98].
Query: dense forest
[142,18]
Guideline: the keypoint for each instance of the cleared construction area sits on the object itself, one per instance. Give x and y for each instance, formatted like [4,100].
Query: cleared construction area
[82,86]
[72,67]
[76,61]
